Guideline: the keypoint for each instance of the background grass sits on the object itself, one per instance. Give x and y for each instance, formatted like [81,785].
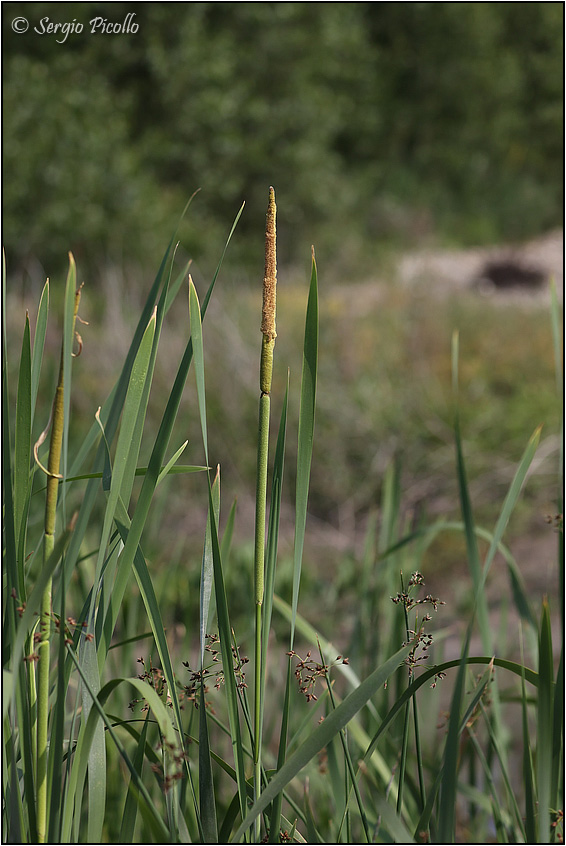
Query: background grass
[383,466]
[383,395]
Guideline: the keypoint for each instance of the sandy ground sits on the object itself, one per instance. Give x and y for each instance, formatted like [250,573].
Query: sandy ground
[452,270]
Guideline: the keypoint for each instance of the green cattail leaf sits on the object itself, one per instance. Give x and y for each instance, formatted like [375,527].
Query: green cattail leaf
[207,801]
[93,658]
[511,499]
[273,534]
[133,452]
[22,455]
[556,779]
[68,344]
[13,804]
[170,469]
[14,575]
[304,456]
[225,634]
[176,286]
[473,555]
[39,344]
[323,734]
[226,545]
[545,708]
[132,404]
[97,752]
[207,568]
[133,797]
[528,779]
[198,352]
[306,434]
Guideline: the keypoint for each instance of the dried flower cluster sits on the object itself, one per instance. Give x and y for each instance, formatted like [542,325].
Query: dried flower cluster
[419,653]
[308,671]
[210,673]
[284,837]
[155,679]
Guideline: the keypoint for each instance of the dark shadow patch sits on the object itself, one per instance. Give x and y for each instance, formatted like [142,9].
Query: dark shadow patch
[507,274]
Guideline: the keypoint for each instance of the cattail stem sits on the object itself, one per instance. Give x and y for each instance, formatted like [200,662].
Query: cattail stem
[43,663]
[265,373]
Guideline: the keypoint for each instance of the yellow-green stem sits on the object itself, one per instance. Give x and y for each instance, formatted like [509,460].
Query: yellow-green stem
[43,662]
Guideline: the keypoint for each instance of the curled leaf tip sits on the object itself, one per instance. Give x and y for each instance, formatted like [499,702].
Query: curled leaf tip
[79,345]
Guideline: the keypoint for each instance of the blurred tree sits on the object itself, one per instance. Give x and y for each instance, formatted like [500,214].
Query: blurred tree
[374,121]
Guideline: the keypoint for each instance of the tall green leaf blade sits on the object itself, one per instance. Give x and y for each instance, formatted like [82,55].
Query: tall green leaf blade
[207,803]
[131,804]
[528,780]
[206,783]
[132,405]
[39,344]
[93,656]
[22,454]
[511,499]
[196,335]
[544,725]
[556,779]
[225,634]
[306,434]
[273,533]
[68,343]
[207,568]
[304,457]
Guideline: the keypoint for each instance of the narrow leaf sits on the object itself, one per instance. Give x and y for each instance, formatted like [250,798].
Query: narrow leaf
[323,734]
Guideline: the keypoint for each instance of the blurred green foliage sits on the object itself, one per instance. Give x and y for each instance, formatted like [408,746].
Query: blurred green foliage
[376,122]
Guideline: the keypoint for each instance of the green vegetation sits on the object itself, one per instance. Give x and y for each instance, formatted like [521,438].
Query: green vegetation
[350,745]
[380,123]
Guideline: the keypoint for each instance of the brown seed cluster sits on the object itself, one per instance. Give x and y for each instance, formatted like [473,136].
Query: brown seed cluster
[308,672]
[419,653]
[215,675]
[155,679]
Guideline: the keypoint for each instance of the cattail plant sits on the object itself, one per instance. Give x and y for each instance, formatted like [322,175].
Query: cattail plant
[265,373]
[43,661]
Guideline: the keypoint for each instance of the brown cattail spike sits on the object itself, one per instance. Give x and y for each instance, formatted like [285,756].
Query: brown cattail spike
[270,277]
